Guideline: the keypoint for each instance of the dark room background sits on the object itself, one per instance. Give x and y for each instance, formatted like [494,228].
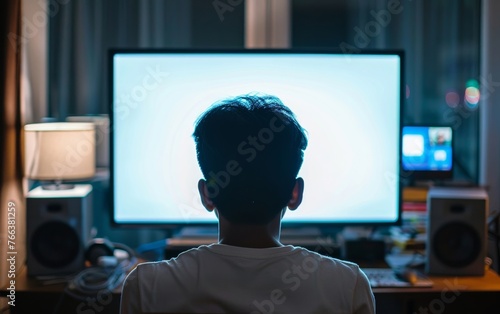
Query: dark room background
[441,40]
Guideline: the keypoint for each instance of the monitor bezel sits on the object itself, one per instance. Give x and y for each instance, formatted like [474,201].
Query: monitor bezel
[285,224]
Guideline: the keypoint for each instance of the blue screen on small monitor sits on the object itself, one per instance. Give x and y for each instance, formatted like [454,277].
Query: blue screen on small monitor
[349,105]
[427,148]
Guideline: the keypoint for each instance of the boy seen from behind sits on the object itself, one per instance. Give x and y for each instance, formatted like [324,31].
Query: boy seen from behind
[250,150]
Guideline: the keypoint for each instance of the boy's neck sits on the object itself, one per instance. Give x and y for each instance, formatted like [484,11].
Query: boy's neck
[251,236]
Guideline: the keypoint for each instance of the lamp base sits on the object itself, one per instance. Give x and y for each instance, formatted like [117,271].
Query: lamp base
[57,186]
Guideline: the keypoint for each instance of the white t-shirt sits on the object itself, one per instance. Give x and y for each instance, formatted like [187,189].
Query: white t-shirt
[227,279]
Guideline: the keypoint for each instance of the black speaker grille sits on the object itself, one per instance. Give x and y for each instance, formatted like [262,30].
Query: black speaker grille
[456,244]
[55,244]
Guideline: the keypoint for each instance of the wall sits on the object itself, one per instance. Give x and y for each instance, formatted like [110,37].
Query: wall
[490,96]
[34,26]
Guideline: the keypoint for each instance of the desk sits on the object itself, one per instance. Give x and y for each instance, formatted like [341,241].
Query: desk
[454,295]
[34,297]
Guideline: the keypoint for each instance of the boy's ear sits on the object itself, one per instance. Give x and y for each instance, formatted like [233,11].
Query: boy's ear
[204,195]
[297,192]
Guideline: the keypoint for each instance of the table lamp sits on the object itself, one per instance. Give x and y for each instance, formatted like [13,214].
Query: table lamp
[59,151]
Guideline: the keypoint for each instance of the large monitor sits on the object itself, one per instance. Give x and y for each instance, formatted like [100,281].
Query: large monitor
[350,105]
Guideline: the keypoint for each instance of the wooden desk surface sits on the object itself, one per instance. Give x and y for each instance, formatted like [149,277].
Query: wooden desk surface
[24,283]
[473,295]
[34,296]
[489,282]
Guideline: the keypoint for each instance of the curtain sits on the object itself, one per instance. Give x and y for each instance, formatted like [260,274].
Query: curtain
[490,115]
[81,33]
[11,198]
[441,40]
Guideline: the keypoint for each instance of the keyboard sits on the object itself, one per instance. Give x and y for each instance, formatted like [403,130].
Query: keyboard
[387,278]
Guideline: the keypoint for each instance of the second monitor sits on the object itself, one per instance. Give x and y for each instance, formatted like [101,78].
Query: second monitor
[427,152]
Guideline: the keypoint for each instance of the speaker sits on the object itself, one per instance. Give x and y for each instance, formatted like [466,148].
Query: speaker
[59,224]
[456,231]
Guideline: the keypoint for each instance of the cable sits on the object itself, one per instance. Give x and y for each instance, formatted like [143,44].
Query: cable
[95,279]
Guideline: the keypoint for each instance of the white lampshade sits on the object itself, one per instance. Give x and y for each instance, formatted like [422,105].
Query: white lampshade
[59,151]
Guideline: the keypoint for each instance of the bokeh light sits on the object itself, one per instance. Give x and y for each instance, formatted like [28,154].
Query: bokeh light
[452,99]
[407,91]
[472,96]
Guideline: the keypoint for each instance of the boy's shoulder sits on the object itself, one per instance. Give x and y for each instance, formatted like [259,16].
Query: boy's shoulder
[327,264]
[295,271]
[295,255]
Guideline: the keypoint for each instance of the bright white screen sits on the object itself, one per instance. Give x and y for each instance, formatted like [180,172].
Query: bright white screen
[349,105]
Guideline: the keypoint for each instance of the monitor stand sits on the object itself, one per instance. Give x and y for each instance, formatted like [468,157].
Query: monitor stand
[300,236]
[309,237]
[198,232]
[194,236]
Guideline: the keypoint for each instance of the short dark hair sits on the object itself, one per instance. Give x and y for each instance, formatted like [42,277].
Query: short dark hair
[250,149]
